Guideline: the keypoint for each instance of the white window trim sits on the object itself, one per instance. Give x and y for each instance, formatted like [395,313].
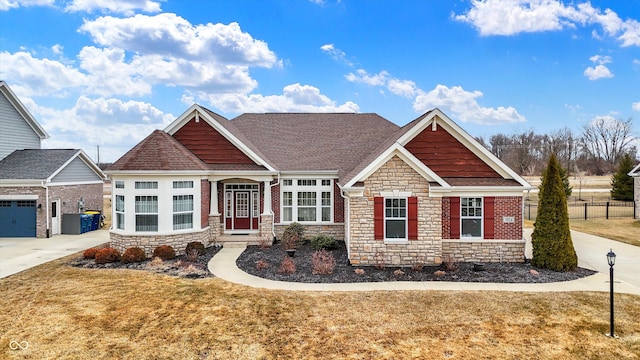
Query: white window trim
[182,212]
[165,193]
[481,217]
[157,214]
[318,189]
[400,241]
[123,212]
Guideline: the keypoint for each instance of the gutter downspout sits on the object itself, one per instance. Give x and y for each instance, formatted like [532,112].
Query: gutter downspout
[273,215]
[347,229]
[46,190]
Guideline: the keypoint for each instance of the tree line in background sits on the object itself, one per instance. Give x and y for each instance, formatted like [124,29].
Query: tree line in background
[597,150]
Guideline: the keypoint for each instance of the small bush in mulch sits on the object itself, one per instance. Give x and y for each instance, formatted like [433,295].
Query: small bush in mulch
[196,246]
[322,241]
[107,255]
[133,254]
[345,273]
[323,262]
[287,266]
[90,253]
[164,252]
[179,266]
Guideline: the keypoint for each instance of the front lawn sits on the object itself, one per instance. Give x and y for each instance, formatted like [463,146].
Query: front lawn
[64,312]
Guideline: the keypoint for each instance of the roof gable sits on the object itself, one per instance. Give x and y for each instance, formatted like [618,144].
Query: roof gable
[45,164]
[226,137]
[158,152]
[22,110]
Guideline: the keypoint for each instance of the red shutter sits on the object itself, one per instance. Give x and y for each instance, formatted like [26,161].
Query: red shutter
[412,213]
[489,217]
[378,218]
[454,230]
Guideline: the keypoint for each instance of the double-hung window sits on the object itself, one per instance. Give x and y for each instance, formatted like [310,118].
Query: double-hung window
[146,213]
[307,200]
[395,218]
[182,212]
[471,217]
[120,212]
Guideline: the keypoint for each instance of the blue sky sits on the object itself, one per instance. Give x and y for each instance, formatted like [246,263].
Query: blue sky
[108,72]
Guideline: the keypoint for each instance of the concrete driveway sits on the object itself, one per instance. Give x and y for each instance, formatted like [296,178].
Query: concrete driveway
[592,254]
[18,254]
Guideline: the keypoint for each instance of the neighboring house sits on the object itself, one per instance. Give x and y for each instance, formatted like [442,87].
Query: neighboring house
[38,186]
[407,195]
[635,173]
[18,128]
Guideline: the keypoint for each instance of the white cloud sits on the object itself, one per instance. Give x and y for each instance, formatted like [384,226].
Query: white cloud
[32,77]
[57,49]
[12,4]
[405,88]
[600,71]
[113,124]
[462,104]
[294,98]
[336,53]
[511,17]
[636,106]
[361,76]
[127,7]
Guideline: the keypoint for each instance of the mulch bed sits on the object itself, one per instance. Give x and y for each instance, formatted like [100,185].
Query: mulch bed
[178,267]
[345,273]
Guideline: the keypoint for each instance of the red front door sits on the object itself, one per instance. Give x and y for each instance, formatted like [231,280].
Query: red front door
[242,210]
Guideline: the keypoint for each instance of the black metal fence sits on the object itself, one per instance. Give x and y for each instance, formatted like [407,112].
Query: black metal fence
[590,210]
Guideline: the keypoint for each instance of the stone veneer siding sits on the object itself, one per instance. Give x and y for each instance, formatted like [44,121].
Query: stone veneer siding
[484,250]
[365,250]
[335,230]
[636,192]
[149,242]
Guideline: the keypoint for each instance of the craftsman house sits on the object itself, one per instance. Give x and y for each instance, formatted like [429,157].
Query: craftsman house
[39,186]
[409,194]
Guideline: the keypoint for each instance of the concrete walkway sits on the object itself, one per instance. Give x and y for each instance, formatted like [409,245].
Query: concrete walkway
[18,254]
[591,252]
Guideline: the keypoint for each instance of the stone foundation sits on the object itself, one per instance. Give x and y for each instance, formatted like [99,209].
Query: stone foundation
[484,250]
[335,230]
[149,242]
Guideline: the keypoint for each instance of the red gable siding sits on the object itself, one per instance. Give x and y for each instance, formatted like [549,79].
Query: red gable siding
[209,145]
[447,156]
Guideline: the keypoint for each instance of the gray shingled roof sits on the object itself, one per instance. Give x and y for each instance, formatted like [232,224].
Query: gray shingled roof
[315,141]
[158,151]
[34,164]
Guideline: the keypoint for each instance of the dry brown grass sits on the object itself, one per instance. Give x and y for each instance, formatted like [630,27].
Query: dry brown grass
[71,313]
[623,230]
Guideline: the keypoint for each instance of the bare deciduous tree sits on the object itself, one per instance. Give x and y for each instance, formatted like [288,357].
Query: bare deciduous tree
[607,138]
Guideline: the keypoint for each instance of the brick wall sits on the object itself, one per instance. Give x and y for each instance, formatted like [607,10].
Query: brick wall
[69,196]
[364,250]
[338,203]
[511,207]
[205,202]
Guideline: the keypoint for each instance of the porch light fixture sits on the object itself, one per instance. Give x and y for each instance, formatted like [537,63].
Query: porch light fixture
[611,260]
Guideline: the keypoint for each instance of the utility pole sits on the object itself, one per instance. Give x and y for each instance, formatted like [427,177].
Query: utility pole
[98,146]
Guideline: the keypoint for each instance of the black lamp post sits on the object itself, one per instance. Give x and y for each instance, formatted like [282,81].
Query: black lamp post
[611,259]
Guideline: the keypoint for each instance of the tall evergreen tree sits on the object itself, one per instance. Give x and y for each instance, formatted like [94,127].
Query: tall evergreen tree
[551,239]
[564,175]
[621,182]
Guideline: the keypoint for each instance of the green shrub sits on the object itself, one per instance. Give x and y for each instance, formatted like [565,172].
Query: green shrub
[292,235]
[90,253]
[621,182]
[194,246]
[133,254]
[322,241]
[551,239]
[107,255]
[164,252]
